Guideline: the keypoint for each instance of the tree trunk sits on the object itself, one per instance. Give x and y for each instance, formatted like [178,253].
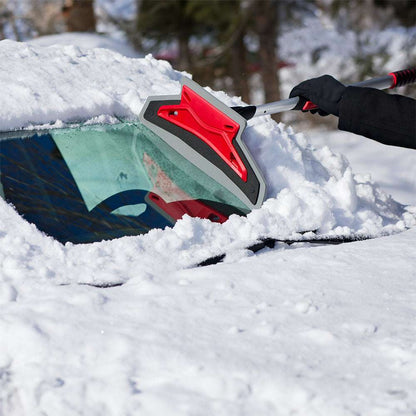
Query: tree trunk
[2,35]
[4,17]
[79,15]
[266,27]
[239,69]
[15,29]
[184,58]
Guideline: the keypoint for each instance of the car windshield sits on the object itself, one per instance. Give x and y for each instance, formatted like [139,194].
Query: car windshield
[98,182]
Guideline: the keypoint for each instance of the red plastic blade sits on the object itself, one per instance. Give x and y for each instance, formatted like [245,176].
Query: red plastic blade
[205,121]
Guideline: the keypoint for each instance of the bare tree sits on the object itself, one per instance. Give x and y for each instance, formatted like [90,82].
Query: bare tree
[266,25]
[8,20]
[3,18]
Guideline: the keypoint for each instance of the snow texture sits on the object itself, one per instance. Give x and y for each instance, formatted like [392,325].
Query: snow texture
[307,331]
[87,41]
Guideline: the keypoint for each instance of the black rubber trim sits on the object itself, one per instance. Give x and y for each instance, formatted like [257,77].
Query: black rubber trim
[247,112]
[271,243]
[250,188]
[299,106]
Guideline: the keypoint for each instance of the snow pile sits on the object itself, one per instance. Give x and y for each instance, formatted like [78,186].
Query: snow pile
[309,189]
[43,85]
[287,332]
[88,41]
[394,169]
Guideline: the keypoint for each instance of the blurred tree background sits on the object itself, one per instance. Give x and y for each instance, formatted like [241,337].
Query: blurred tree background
[234,45]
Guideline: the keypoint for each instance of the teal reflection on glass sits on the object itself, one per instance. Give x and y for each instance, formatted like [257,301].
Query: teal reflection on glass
[100,182]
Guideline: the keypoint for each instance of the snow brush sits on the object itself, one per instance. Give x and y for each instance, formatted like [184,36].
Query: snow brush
[208,134]
[392,80]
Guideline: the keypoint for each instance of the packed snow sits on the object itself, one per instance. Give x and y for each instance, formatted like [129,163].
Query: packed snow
[295,330]
[88,41]
[392,168]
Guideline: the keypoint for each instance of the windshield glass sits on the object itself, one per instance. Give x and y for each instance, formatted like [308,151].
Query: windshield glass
[100,182]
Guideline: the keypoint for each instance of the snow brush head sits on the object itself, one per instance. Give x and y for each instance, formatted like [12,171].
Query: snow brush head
[208,134]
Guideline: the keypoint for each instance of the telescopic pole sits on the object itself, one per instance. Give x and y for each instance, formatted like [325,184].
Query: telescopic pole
[392,80]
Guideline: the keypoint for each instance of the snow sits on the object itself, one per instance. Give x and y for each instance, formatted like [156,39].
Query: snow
[295,330]
[307,330]
[392,168]
[87,41]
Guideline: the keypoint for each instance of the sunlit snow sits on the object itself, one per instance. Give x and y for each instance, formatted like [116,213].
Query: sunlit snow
[300,330]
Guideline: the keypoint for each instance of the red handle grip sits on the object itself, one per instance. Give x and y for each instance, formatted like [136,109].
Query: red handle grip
[309,105]
[406,76]
[305,105]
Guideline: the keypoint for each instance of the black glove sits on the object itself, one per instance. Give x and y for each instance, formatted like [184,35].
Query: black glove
[325,91]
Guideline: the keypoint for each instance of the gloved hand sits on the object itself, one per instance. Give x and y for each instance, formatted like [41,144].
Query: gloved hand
[325,91]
